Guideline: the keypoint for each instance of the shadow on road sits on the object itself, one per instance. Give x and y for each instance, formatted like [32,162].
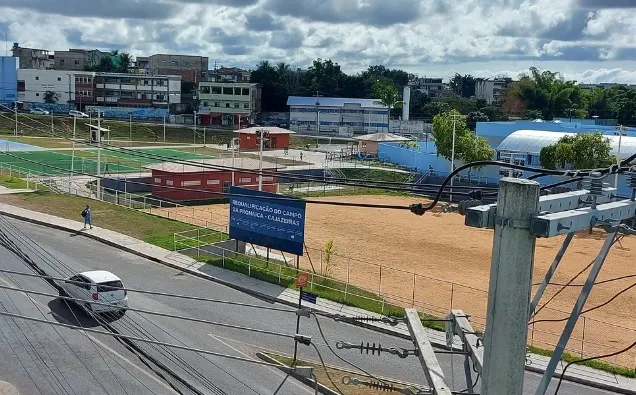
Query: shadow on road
[69,313]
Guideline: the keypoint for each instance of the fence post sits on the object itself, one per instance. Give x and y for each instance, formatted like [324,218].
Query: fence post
[249,267]
[413,303]
[452,294]
[116,195]
[380,285]
[280,269]
[321,272]
[223,258]
[583,338]
[312,281]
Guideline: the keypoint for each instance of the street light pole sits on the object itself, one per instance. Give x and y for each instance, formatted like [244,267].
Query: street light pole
[130,128]
[164,128]
[73,152]
[15,104]
[194,135]
[99,153]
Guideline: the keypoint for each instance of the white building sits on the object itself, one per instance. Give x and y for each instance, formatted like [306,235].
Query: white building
[605,85]
[33,84]
[228,103]
[131,90]
[490,90]
[337,115]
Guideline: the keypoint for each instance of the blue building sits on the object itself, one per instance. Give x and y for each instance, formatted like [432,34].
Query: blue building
[8,79]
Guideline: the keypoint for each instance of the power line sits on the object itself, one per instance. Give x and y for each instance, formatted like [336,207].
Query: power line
[156,293]
[143,340]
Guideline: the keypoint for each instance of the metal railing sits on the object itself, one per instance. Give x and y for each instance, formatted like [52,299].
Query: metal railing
[348,280]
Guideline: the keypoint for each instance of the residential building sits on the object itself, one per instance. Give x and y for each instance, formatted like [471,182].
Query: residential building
[190,68]
[78,59]
[432,87]
[8,78]
[32,58]
[33,85]
[132,90]
[337,115]
[491,90]
[179,182]
[229,104]
[84,89]
[229,74]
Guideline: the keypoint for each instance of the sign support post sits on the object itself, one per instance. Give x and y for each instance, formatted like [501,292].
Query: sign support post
[301,281]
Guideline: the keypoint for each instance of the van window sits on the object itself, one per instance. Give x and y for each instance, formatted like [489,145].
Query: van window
[109,286]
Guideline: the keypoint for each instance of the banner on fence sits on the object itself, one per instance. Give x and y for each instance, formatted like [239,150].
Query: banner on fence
[267,219]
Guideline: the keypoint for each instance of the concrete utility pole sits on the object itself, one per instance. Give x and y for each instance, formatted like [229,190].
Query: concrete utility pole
[73,152]
[510,286]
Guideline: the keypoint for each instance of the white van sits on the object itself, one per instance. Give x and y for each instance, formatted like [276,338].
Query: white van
[77,114]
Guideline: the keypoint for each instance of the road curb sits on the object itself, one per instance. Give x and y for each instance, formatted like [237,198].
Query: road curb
[272,299]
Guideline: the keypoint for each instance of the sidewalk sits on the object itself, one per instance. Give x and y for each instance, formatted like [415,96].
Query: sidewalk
[275,293]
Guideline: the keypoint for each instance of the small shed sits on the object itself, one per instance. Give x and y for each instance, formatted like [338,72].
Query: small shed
[368,144]
[278,138]
[189,182]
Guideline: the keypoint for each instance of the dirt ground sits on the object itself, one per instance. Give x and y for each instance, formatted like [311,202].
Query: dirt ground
[440,249]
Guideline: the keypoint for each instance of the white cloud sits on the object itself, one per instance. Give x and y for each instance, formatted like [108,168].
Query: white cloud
[425,36]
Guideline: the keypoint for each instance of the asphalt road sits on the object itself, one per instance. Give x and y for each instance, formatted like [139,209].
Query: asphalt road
[40,358]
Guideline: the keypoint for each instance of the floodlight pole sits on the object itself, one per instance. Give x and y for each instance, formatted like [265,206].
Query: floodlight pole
[452,158]
[73,153]
[99,153]
[260,162]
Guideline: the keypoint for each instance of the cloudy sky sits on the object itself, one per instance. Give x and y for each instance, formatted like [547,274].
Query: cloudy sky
[587,40]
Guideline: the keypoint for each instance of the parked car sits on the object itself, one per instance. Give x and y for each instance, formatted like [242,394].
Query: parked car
[96,286]
[38,111]
[77,114]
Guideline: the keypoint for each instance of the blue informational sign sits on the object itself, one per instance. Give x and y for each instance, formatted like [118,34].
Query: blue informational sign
[267,219]
[8,78]
[308,297]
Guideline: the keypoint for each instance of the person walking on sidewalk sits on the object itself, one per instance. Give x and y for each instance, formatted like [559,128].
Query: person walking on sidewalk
[86,213]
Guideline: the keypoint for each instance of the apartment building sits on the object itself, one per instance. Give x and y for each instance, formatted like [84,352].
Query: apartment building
[229,104]
[84,89]
[78,59]
[190,68]
[132,90]
[491,90]
[229,74]
[32,58]
[33,85]
[432,87]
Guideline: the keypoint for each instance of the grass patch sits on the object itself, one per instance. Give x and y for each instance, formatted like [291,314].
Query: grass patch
[599,365]
[335,375]
[152,229]
[12,182]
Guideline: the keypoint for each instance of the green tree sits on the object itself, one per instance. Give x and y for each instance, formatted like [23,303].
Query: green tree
[433,108]
[474,117]
[387,95]
[580,151]
[533,114]
[463,85]
[274,94]
[51,97]
[468,146]
[494,113]
[409,145]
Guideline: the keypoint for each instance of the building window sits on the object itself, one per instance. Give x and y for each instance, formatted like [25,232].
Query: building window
[246,91]
[237,91]
[169,182]
[77,62]
[62,62]
[157,180]
[205,90]
[213,182]
[190,183]
[59,78]
[217,104]
[160,97]
[246,105]
[227,91]
[37,94]
[37,78]
[227,105]
[237,105]
[216,90]
[245,180]
[268,179]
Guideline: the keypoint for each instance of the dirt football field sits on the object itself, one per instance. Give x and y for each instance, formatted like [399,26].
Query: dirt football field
[452,265]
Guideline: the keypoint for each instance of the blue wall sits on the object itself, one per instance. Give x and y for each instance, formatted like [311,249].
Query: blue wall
[55,108]
[137,113]
[8,78]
